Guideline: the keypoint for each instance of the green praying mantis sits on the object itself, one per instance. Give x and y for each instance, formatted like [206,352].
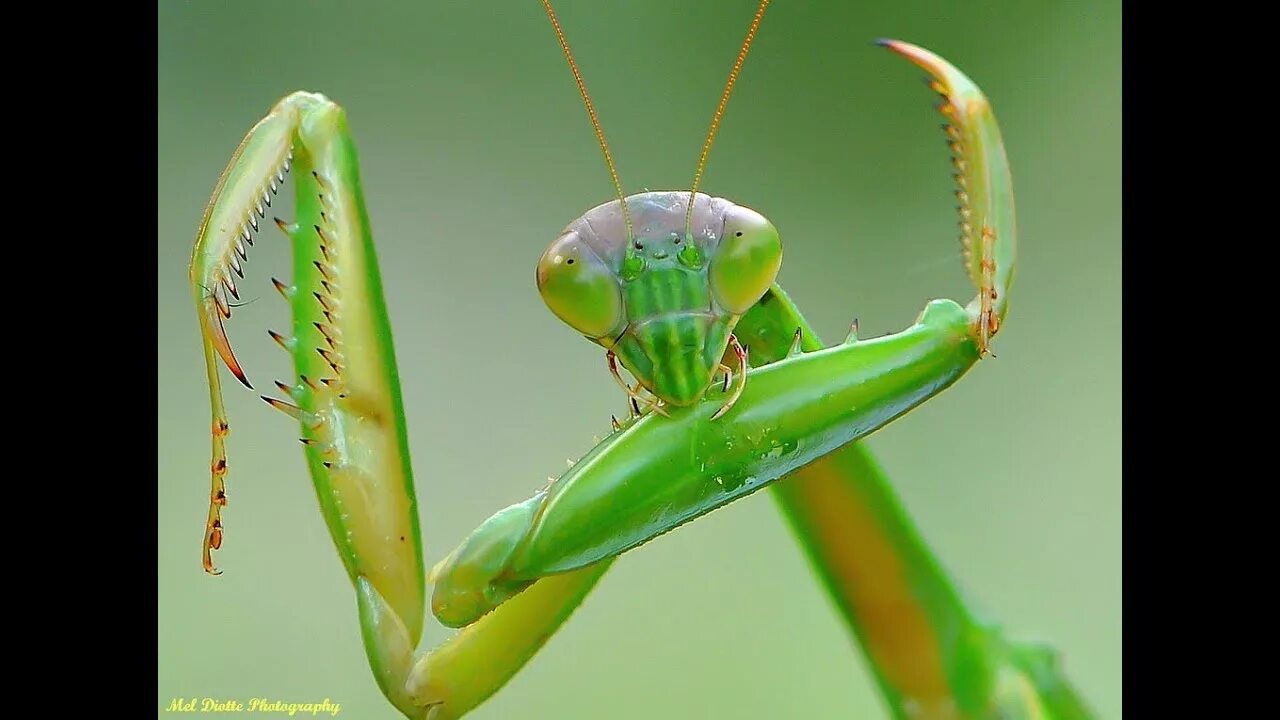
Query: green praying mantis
[732,392]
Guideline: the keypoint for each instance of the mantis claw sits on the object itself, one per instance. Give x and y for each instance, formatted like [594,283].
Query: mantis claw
[633,393]
[216,309]
[983,188]
[657,407]
[741,353]
[613,370]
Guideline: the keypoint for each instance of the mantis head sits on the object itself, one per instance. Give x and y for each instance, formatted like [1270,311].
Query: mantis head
[660,287]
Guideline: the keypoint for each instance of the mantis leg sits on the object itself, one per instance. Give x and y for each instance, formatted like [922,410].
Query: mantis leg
[346,394]
[932,654]
[346,398]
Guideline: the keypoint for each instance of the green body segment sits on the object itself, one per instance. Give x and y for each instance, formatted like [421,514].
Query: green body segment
[472,665]
[662,472]
[675,338]
[931,654]
[880,575]
[347,384]
[671,470]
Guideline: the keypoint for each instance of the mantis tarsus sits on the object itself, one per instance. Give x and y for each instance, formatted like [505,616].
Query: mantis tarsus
[797,415]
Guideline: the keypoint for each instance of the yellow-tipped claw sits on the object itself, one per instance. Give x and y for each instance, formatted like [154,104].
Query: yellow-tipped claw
[988,234]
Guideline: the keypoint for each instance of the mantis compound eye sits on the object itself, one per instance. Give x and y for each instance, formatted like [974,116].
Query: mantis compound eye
[580,288]
[747,260]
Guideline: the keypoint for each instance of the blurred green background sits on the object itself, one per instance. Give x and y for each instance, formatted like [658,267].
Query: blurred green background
[475,152]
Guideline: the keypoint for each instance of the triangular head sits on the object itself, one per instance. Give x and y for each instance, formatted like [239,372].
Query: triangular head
[662,299]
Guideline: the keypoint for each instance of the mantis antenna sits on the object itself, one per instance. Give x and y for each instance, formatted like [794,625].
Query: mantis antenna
[595,121]
[715,119]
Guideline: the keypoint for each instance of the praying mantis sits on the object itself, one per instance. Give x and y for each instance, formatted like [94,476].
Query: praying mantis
[795,417]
